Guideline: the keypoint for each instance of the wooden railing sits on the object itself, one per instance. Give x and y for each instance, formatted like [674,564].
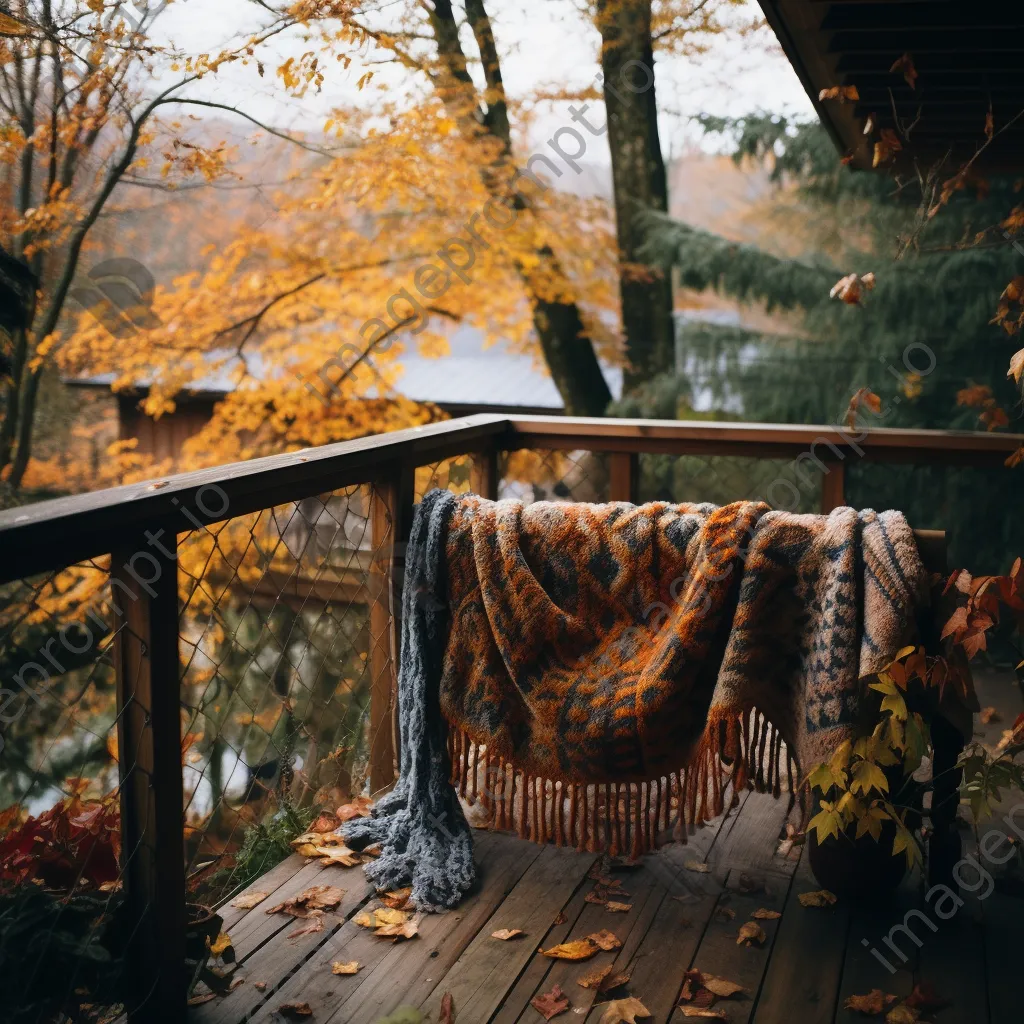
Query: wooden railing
[122,523]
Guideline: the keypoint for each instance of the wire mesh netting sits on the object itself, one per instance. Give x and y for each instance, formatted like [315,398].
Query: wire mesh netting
[540,475]
[61,861]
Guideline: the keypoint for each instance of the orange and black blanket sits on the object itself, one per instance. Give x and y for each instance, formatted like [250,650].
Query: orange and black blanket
[596,675]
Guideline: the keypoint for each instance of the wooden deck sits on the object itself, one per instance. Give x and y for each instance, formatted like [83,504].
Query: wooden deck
[812,961]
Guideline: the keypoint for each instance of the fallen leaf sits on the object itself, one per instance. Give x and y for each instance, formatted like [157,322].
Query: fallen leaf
[750,933]
[560,918]
[595,897]
[551,1004]
[725,913]
[818,898]
[925,998]
[579,949]
[248,900]
[886,147]
[317,897]
[697,1011]
[696,865]
[594,978]
[397,898]
[314,923]
[400,929]
[873,1004]
[307,850]
[382,917]
[344,968]
[326,822]
[260,986]
[989,715]
[359,808]
[507,933]
[761,914]
[605,939]
[295,1011]
[624,1011]
[618,908]
[693,981]
[721,987]
[206,997]
[902,1014]
[613,980]
[447,1009]
[220,945]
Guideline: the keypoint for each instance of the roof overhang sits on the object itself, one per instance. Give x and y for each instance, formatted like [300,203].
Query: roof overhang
[969,59]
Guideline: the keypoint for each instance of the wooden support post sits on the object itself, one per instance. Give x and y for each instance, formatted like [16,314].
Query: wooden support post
[624,476]
[484,474]
[144,591]
[391,517]
[833,486]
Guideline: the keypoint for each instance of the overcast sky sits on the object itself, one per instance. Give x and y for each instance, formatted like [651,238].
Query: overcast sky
[543,43]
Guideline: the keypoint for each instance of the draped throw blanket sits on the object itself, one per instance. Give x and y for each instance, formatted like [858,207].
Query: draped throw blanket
[595,674]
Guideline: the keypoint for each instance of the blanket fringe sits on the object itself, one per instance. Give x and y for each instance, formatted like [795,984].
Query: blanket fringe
[739,750]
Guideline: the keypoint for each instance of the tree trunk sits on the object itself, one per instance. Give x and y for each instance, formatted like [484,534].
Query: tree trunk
[639,181]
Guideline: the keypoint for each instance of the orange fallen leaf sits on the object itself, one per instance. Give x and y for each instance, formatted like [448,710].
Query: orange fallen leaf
[698,1011]
[317,897]
[359,808]
[338,967]
[751,933]
[400,929]
[843,93]
[595,897]
[624,1011]
[396,899]
[295,1011]
[579,949]
[260,986]
[326,822]
[248,900]
[873,1004]
[618,908]
[988,715]
[721,987]
[206,997]
[507,933]
[551,1004]
[314,923]
[761,914]
[594,978]
[725,913]
[605,939]
[905,65]
[818,898]
[902,1014]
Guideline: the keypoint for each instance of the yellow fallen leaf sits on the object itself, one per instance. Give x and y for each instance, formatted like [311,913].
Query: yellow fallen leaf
[580,949]
[248,900]
[507,933]
[722,987]
[697,865]
[624,1011]
[400,929]
[761,914]
[697,1011]
[605,939]
[308,850]
[750,933]
[220,944]
[344,968]
[818,898]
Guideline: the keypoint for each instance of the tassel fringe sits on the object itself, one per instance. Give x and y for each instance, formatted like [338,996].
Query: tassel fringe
[738,751]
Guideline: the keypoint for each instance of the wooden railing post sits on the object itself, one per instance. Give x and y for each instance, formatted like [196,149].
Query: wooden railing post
[484,474]
[623,476]
[833,487]
[392,500]
[144,592]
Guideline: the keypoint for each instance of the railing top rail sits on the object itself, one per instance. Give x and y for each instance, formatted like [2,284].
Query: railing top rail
[50,534]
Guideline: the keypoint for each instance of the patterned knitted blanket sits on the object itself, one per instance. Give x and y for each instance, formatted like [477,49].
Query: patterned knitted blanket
[596,674]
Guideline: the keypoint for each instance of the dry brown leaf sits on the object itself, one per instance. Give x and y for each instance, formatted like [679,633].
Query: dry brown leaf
[725,913]
[988,715]
[507,933]
[605,939]
[750,933]
[762,914]
[594,978]
[579,949]
[721,987]
[382,917]
[818,898]
[618,908]
[324,823]
[339,967]
[405,929]
[295,1011]
[317,897]
[359,808]
[560,918]
[396,899]
[260,986]
[624,1011]
[613,980]
[447,1009]
[314,923]
[594,896]
[248,900]
[873,1004]
[1016,370]
[905,65]
[551,1004]
[339,855]
[902,1014]
[886,147]
[698,1011]
[843,93]
[696,865]
[206,997]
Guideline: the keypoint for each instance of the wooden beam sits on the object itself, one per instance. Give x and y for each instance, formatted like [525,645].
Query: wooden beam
[484,476]
[833,485]
[624,476]
[390,518]
[144,593]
